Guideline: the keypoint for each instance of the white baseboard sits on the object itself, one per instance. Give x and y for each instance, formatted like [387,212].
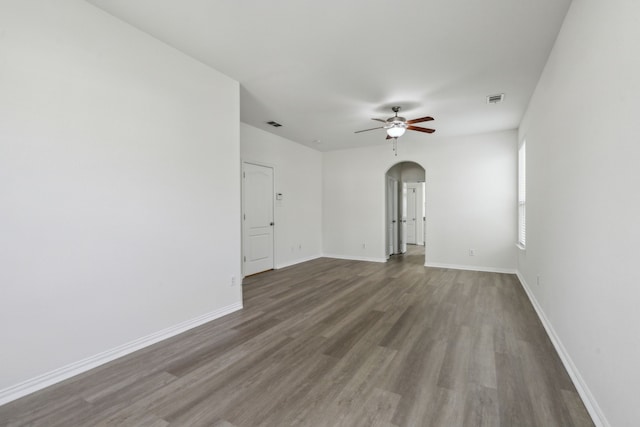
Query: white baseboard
[470,267]
[45,380]
[355,258]
[297,261]
[583,390]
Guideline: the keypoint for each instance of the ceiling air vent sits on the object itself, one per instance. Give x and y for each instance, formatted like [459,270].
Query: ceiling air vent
[495,99]
[274,124]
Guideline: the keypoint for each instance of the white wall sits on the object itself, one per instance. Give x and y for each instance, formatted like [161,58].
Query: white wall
[470,197]
[298,176]
[583,209]
[119,186]
[412,172]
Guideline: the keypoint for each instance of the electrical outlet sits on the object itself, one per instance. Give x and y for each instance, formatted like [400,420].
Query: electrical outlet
[300,247]
[538,280]
[364,246]
[472,252]
[233,280]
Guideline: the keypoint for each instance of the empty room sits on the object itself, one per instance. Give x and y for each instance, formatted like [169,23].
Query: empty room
[362,213]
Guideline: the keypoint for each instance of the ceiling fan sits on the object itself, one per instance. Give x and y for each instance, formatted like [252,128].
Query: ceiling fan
[396,125]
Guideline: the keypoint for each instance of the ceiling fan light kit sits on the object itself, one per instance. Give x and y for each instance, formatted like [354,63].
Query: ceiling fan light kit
[396,127]
[396,131]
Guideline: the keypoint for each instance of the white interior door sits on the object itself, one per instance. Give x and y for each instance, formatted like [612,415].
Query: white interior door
[411,214]
[389,216]
[403,221]
[424,214]
[420,209]
[258,225]
[394,217]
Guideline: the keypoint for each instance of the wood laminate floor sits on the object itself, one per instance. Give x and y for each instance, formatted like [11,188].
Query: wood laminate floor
[336,343]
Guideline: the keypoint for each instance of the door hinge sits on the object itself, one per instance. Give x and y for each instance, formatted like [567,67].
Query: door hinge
[244,216]
[244,175]
[245,259]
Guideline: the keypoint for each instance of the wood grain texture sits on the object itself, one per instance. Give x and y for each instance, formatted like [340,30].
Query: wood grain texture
[336,343]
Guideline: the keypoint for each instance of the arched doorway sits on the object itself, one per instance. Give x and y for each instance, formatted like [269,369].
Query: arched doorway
[405,203]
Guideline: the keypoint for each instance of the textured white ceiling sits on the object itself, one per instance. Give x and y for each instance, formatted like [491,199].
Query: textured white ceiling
[323,68]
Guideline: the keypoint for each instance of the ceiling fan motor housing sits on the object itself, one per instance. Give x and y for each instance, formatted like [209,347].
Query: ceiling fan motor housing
[396,122]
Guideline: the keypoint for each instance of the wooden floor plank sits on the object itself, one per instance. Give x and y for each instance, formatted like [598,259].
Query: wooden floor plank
[336,343]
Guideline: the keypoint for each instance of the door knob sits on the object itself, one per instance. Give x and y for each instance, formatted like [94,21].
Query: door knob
[271,224]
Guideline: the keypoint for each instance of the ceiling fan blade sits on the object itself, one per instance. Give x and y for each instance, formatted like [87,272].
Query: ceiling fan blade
[421,129]
[367,130]
[380,120]
[421,119]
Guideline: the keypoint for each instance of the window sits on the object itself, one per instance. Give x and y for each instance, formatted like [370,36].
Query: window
[522,195]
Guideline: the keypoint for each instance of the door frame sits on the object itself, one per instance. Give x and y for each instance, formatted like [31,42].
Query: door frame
[273,213]
[385,224]
[392,214]
[402,217]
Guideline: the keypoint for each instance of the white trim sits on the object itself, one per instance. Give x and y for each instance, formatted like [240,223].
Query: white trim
[581,386]
[355,258]
[57,375]
[471,268]
[297,261]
